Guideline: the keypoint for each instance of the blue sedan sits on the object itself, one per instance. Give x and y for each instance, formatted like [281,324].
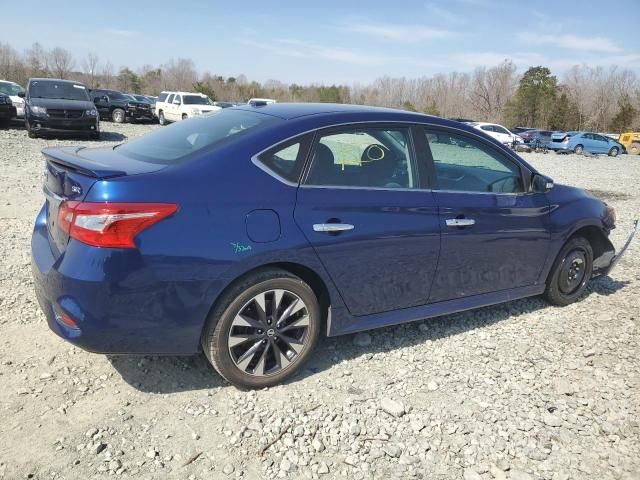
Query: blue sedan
[580,142]
[248,233]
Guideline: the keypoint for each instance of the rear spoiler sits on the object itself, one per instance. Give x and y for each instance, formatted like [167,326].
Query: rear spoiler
[68,157]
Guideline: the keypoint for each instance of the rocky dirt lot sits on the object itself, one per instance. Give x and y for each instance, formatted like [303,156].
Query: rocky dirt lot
[515,391]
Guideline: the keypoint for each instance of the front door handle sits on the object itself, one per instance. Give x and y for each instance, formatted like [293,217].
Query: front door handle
[460,222]
[332,227]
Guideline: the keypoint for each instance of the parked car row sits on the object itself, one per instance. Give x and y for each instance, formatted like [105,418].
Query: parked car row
[580,142]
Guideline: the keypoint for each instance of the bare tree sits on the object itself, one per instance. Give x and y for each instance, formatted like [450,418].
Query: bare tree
[179,74]
[107,75]
[90,69]
[37,61]
[491,89]
[61,62]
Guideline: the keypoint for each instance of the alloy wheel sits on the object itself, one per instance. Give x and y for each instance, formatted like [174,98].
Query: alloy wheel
[269,333]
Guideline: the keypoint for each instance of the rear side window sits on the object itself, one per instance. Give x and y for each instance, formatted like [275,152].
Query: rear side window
[287,160]
[173,144]
[466,165]
[368,157]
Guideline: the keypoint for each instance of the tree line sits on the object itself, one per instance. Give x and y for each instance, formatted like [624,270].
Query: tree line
[585,98]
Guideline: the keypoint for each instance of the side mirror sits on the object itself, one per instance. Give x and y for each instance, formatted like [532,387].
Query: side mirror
[21,94]
[541,183]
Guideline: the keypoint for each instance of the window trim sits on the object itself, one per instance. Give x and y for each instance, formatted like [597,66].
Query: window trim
[525,173]
[377,125]
[423,157]
[304,139]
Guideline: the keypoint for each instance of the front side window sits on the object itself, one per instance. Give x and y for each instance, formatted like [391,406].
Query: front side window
[487,128]
[10,88]
[499,129]
[467,165]
[368,157]
[170,99]
[162,97]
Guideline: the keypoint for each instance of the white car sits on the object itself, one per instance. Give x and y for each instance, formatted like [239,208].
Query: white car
[261,101]
[175,106]
[500,133]
[14,90]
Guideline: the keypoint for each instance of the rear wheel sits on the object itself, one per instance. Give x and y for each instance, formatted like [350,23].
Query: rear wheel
[184,116]
[614,152]
[118,115]
[634,148]
[263,329]
[570,273]
[578,150]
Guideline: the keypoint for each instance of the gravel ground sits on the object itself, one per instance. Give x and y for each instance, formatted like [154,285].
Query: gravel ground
[516,391]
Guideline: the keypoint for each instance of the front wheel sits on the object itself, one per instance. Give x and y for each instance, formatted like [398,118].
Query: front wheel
[184,116]
[578,150]
[161,118]
[614,152]
[263,329]
[118,115]
[570,272]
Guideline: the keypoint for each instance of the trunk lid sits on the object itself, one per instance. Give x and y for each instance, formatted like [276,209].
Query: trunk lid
[71,172]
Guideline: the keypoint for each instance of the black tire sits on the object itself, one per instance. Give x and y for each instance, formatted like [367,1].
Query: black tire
[31,133]
[578,150]
[565,285]
[184,116]
[215,336]
[161,119]
[614,152]
[118,115]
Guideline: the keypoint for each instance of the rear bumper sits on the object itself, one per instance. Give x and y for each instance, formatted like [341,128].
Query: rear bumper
[558,147]
[121,302]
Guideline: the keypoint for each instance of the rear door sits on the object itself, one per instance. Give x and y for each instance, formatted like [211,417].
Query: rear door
[495,235]
[373,227]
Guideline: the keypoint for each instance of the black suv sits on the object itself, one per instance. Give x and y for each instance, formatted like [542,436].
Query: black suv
[59,107]
[117,106]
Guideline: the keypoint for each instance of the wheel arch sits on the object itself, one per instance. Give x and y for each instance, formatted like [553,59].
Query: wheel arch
[304,272]
[596,237]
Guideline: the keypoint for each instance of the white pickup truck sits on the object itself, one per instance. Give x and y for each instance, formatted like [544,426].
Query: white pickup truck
[176,106]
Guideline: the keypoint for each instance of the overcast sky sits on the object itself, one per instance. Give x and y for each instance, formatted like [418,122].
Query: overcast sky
[331,41]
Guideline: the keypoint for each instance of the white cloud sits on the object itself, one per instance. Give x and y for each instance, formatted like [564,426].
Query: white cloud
[440,14]
[120,33]
[396,32]
[298,49]
[572,42]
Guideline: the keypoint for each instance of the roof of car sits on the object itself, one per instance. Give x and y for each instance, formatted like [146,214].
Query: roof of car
[59,80]
[289,111]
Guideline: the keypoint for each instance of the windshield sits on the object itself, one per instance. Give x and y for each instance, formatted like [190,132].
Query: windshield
[58,90]
[196,100]
[140,98]
[171,145]
[10,88]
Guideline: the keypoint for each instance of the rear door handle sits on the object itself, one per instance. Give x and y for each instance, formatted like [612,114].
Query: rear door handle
[332,227]
[460,222]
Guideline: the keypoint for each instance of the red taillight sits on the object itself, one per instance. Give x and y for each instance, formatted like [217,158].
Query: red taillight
[67,320]
[110,224]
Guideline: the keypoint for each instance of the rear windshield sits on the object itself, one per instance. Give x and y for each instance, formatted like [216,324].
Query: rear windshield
[195,100]
[60,90]
[170,145]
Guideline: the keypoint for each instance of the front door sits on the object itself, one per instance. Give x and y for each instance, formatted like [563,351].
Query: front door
[495,236]
[361,207]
